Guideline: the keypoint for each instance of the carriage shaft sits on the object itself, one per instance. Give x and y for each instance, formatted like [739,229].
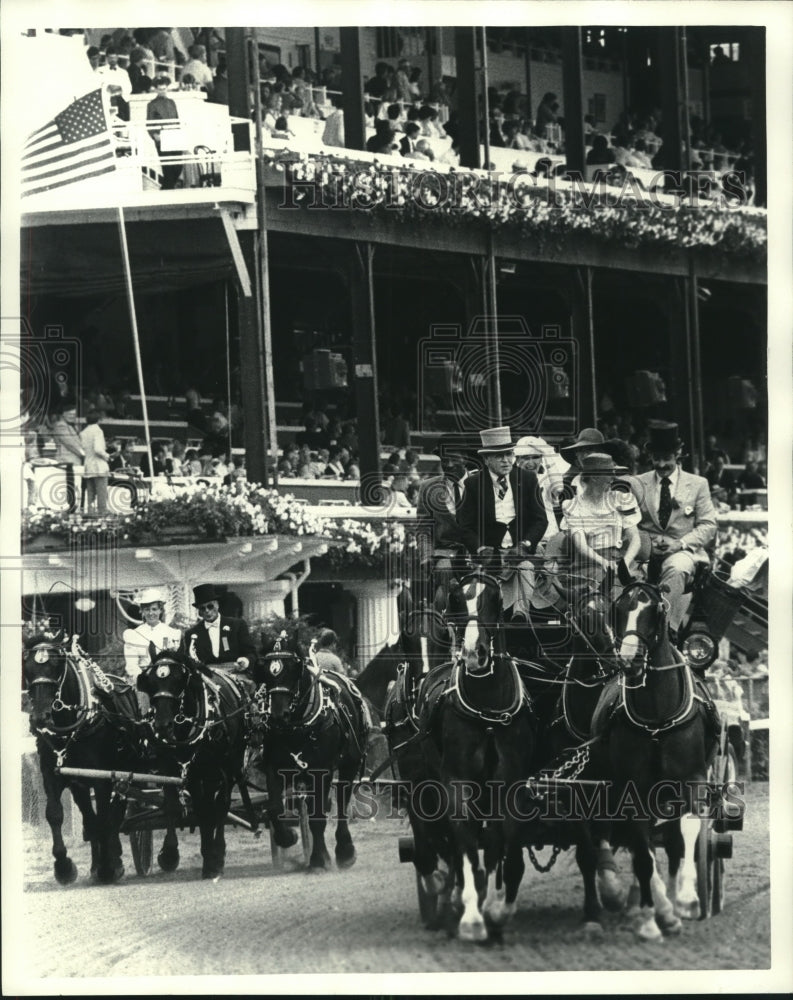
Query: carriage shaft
[128,776]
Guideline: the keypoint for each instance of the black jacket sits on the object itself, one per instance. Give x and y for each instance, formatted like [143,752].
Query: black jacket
[477,514]
[235,641]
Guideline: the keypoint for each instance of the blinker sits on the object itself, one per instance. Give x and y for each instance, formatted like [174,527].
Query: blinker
[41,655]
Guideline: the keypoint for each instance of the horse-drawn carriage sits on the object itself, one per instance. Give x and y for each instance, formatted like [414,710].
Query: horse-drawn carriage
[656,725]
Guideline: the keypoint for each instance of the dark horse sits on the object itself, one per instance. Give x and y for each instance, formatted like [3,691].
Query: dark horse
[82,718]
[197,731]
[481,730]
[565,701]
[657,730]
[311,724]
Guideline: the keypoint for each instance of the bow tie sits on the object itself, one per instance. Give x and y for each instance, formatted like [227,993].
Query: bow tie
[214,624]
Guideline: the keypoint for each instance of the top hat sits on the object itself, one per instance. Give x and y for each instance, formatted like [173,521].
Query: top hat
[663,438]
[496,440]
[589,437]
[204,593]
[150,595]
[528,446]
[599,464]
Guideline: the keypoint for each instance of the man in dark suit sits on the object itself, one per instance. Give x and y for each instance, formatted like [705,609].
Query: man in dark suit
[502,508]
[216,638]
[439,537]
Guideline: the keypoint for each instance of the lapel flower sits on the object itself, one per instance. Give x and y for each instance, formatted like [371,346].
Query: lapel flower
[688,510]
[226,628]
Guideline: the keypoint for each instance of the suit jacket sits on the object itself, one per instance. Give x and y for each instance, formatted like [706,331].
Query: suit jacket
[693,519]
[233,634]
[477,514]
[437,530]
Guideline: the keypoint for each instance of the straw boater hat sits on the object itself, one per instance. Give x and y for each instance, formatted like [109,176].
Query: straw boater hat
[150,595]
[589,437]
[495,441]
[531,447]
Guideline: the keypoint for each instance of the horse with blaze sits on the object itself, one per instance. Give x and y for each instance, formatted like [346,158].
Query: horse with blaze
[81,718]
[311,724]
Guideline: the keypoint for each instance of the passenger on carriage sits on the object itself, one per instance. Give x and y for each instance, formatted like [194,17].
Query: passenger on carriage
[678,521]
[589,440]
[142,644]
[217,639]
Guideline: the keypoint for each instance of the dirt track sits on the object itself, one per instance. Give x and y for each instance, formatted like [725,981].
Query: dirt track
[257,920]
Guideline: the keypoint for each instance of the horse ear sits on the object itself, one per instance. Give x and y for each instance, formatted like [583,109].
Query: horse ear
[143,683]
[664,588]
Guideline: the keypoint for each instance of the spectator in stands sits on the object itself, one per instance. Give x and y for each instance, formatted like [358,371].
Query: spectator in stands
[414,84]
[216,442]
[749,479]
[513,137]
[93,54]
[713,450]
[69,450]
[303,93]
[403,81]
[163,108]
[333,133]
[177,458]
[721,482]
[376,86]
[220,91]
[138,78]
[395,115]
[409,142]
[600,154]
[195,415]
[96,468]
[547,114]
[141,38]
[320,463]
[496,122]
[428,120]
[336,467]
[719,57]
[192,464]
[312,437]
[383,140]
[112,73]
[197,67]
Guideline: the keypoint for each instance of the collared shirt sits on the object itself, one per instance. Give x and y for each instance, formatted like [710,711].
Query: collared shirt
[137,640]
[505,508]
[118,77]
[654,500]
[214,635]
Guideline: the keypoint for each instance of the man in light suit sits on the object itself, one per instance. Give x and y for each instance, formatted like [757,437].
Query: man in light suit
[216,638]
[678,521]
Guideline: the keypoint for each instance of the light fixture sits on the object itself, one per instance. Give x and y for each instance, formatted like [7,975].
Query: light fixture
[699,646]
[53,560]
[85,604]
[144,554]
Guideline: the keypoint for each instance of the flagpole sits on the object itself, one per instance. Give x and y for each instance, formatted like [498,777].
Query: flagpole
[135,339]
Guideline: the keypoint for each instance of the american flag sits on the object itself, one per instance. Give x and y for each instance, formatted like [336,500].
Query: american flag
[75,145]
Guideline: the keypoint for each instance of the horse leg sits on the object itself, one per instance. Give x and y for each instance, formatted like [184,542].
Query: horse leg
[345,849]
[168,858]
[283,834]
[501,901]
[64,868]
[81,796]
[644,868]
[665,915]
[318,804]
[687,898]
[612,893]
[108,819]
[220,800]
[674,847]
[472,925]
[587,857]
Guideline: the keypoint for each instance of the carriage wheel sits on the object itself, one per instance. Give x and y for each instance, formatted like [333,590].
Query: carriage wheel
[141,843]
[428,905]
[714,846]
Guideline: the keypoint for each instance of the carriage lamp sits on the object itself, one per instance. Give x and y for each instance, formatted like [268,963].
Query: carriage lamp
[699,646]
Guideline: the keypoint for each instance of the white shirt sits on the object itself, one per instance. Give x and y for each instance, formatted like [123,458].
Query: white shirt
[505,508]
[214,635]
[118,77]
[136,644]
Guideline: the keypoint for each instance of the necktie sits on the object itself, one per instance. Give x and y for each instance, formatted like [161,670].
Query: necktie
[502,487]
[665,504]
[457,494]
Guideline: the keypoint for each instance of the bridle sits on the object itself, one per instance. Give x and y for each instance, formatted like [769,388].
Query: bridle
[206,711]
[647,642]
[299,699]
[478,576]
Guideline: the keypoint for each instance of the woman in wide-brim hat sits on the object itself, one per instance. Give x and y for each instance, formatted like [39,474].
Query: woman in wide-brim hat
[589,439]
[152,635]
[600,523]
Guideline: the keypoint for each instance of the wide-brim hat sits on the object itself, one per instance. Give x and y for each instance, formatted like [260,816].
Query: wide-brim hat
[600,464]
[204,593]
[662,438]
[531,447]
[150,595]
[496,440]
[589,437]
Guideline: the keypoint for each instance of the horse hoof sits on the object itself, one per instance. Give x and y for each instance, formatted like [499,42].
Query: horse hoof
[168,860]
[670,925]
[211,873]
[65,871]
[687,909]
[649,931]
[592,930]
[474,931]
[316,870]
[345,856]
[105,876]
[284,836]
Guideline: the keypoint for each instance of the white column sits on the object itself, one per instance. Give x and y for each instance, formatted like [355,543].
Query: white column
[263,599]
[377,619]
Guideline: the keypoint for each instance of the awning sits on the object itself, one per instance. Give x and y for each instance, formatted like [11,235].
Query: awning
[85,259]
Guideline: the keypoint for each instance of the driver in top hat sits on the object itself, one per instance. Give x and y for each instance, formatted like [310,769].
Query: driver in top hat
[216,638]
[678,521]
[502,508]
